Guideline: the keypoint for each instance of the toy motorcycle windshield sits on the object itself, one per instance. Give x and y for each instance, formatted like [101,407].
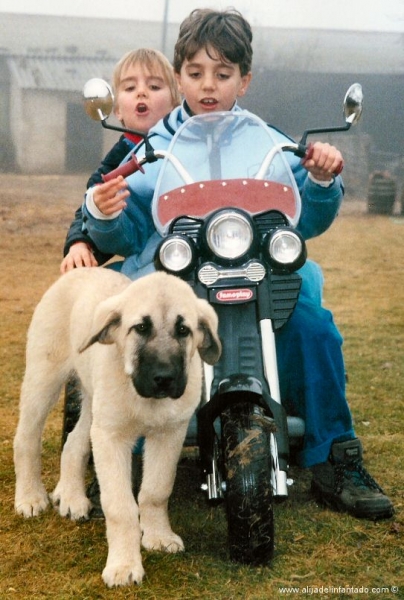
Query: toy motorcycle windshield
[226,159]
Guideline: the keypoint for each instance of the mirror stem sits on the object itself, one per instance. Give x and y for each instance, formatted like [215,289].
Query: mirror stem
[325,130]
[149,150]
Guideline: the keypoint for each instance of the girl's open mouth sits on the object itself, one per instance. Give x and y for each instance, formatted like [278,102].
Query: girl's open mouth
[141,108]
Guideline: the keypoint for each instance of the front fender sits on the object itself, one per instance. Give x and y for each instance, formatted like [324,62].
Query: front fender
[239,388]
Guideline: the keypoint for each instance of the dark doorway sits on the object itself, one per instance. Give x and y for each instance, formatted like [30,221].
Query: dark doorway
[83,141]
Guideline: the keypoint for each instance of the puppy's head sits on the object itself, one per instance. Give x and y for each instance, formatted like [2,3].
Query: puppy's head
[158,324]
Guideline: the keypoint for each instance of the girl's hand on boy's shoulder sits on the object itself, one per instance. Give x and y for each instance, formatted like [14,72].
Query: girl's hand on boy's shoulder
[110,197]
[325,161]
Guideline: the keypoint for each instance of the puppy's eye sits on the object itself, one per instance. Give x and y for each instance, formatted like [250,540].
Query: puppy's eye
[183,330]
[144,328]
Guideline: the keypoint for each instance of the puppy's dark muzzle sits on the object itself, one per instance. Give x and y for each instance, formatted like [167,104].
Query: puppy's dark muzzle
[161,380]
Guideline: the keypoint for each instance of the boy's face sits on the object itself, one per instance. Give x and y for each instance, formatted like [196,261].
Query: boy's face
[209,84]
[142,98]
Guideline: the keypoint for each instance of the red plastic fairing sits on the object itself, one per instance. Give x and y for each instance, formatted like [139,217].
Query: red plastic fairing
[203,197]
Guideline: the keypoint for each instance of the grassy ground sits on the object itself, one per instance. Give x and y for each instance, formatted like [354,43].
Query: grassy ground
[318,553]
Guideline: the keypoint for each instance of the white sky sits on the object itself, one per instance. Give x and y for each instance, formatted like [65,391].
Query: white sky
[370,15]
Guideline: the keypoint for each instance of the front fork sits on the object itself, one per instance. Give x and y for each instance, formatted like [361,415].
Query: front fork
[270,362]
[214,485]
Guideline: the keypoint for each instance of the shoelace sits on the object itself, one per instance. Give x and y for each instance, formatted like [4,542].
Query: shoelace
[356,472]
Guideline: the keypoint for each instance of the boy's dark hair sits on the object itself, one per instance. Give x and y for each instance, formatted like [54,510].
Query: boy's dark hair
[226,32]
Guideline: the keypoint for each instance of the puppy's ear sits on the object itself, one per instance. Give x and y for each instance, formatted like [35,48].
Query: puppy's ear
[210,347]
[107,320]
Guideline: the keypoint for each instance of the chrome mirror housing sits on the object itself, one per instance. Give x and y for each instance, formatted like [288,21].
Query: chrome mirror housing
[98,99]
[353,104]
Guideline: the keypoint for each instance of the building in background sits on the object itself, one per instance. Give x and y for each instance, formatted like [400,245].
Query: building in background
[299,80]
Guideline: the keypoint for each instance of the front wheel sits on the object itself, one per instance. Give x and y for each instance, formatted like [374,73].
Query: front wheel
[246,447]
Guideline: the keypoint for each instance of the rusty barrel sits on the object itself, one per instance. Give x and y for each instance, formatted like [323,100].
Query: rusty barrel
[381,194]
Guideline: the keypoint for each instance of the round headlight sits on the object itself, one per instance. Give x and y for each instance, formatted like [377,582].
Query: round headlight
[175,254]
[285,247]
[229,234]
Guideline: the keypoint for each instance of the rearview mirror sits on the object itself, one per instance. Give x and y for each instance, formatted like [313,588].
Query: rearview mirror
[98,99]
[353,103]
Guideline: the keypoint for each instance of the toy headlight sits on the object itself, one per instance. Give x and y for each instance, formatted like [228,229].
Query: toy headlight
[176,254]
[229,234]
[287,248]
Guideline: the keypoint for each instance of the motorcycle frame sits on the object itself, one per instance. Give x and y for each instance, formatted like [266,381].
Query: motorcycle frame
[242,377]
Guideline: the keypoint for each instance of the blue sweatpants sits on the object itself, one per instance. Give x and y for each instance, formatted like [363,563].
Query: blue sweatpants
[312,379]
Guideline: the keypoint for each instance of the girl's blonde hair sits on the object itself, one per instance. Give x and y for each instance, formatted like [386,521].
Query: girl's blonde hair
[154,61]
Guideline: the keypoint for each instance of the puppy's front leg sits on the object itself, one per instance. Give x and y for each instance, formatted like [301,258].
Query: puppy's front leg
[112,458]
[161,455]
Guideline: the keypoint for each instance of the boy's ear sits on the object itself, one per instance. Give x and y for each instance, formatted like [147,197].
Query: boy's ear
[178,78]
[245,82]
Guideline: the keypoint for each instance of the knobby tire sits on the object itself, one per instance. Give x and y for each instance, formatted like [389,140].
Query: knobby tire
[246,435]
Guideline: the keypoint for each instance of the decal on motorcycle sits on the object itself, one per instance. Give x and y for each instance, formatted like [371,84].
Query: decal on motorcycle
[235,295]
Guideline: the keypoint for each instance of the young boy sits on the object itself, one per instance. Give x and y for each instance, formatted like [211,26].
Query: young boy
[212,63]
[145,91]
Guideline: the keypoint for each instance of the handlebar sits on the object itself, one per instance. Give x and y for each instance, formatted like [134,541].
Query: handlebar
[128,168]
[309,153]
[99,101]
[133,164]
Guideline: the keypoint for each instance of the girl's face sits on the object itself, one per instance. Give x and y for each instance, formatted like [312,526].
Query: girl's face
[209,84]
[142,98]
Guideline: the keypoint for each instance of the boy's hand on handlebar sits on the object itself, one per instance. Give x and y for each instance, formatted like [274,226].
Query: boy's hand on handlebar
[79,255]
[323,161]
[110,197]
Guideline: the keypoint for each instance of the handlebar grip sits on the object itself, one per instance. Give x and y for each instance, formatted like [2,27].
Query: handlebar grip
[309,153]
[131,166]
[338,170]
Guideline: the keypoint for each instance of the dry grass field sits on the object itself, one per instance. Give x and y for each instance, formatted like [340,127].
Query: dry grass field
[318,553]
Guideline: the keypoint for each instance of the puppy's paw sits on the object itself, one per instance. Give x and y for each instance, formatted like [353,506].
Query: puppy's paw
[31,502]
[166,542]
[76,506]
[123,574]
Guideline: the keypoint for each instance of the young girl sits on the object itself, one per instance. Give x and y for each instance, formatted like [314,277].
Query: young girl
[145,90]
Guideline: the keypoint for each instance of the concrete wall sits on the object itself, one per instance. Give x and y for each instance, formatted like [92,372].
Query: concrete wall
[38,128]
[39,132]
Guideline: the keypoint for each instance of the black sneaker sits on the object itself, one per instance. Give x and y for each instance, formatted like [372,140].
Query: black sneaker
[342,483]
